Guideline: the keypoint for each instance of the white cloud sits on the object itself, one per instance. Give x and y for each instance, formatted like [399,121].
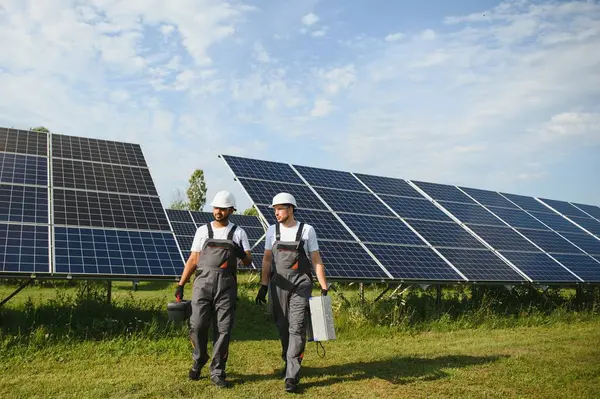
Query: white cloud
[338,78]
[261,54]
[428,34]
[322,107]
[319,32]
[310,19]
[394,37]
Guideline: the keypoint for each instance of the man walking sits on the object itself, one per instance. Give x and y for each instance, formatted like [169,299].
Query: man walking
[214,253]
[292,249]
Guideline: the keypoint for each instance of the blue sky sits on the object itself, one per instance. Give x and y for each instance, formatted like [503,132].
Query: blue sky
[495,95]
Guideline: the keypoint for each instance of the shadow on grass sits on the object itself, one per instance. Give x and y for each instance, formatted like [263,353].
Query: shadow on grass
[396,370]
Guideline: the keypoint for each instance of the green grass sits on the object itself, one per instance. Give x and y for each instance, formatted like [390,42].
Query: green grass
[67,342]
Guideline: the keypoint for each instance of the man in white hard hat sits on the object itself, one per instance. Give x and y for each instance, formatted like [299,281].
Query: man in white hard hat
[215,250]
[291,247]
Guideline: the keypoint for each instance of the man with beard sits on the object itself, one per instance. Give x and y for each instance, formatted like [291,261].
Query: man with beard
[214,253]
[292,249]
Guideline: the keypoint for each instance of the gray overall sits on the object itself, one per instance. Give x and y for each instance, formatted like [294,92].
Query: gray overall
[291,286]
[214,300]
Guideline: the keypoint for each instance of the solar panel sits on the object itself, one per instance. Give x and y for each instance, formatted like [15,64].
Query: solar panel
[550,241]
[480,265]
[488,198]
[246,221]
[104,151]
[262,192]
[381,229]
[24,249]
[330,178]
[586,242]
[23,142]
[446,234]
[347,260]
[23,204]
[415,208]
[388,185]
[443,192]
[591,210]
[518,218]
[586,267]
[413,263]
[201,218]
[179,215]
[591,225]
[23,169]
[527,203]
[266,170]
[564,208]
[472,213]
[325,223]
[556,222]
[254,233]
[540,267]
[184,229]
[353,202]
[503,238]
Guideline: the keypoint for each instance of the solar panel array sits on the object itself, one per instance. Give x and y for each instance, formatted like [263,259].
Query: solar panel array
[74,206]
[382,228]
[185,223]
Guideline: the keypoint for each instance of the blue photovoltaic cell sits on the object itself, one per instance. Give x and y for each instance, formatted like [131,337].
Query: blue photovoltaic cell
[518,218]
[550,241]
[472,213]
[253,233]
[503,238]
[480,265]
[413,263]
[584,241]
[381,229]
[445,234]
[201,218]
[556,222]
[262,192]
[185,243]
[349,260]
[116,252]
[353,202]
[388,185]
[245,221]
[267,170]
[414,208]
[527,203]
[330,178]
[23,204]
[564,208]
[488,198]
[24,248]
[23,169]
[591,210]
[539,267]
[184,229]
[326,225]
[178,215]
[582,265]
[591,225]
[443,192]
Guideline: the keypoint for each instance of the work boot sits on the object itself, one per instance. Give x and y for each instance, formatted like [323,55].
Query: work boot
[195,371]
[219,382]
[290,385]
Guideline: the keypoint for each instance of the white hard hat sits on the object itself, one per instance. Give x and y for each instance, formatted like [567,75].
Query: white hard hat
[284,198]
[223,199]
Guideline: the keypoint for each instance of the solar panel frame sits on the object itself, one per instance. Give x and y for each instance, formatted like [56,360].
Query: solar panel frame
[563,208]
[591,210]
[261,170]
[589,224]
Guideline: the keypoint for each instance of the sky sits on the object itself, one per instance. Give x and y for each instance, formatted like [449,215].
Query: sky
[495,95]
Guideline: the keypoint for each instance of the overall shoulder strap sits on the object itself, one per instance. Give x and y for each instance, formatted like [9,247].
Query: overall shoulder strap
[210,230]
[277,232]
[299,232]
[231,232]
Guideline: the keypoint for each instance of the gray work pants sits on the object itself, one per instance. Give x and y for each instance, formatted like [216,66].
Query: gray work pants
[290,308]
[213,300]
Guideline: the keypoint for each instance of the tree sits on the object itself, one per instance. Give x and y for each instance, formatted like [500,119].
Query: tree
[179,202]
[40,129]
[196,192]
[251,211]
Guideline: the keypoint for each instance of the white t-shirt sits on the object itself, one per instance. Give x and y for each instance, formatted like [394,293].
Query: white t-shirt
[289,234]
[240,237]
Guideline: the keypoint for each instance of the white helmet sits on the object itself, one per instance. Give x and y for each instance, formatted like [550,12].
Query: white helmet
[223,199]
[283,198]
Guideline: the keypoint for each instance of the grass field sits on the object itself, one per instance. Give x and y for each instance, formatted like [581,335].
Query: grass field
[67,342]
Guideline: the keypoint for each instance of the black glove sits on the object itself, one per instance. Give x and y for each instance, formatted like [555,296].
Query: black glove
[179,292]
[239,251]
[324,291]
[261,297]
